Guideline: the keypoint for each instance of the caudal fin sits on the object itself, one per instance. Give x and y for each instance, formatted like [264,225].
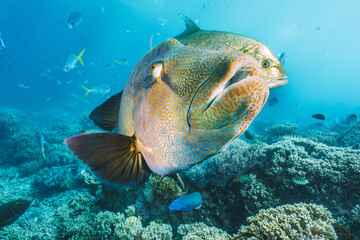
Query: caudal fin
[80,57]
[86,89]
[114,157]
[43,152]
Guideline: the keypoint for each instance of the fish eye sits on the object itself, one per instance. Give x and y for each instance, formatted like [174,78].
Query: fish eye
[265,64]
[156,69]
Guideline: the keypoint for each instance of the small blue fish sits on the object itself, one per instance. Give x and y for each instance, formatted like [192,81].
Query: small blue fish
[42,145]
[187,202]
[74,20]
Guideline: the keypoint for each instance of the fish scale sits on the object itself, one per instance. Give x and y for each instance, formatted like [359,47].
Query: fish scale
[186,100]
[163,101]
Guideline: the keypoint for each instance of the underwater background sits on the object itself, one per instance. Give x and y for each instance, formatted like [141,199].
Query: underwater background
[320,40]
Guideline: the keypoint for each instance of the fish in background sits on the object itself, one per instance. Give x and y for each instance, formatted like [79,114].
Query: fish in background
[352,118]
[109,66]
[42,145]
[2,44]
[318,116]
[45,75]
[273,101]
[243,179]
[11,211]
[122,61]
[282,58]
[71,61]
[187,202]
[248,135]
[20,85]
[300,180]
[74,20]
[99,89]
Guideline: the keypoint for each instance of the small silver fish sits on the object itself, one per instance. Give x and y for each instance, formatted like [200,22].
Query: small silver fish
[45,75]
[71,61]
[99,89]
[282,58]
[2,44]
[122,61]
[74,20]
[23,86]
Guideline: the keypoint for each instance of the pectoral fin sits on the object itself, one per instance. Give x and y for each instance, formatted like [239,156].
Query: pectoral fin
[106,115]
[114,157]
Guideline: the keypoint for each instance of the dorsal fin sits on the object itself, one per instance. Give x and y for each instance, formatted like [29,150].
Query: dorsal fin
[191,27]
[106,115]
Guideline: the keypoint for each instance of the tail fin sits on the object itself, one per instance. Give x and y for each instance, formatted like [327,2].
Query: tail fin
[87,90]
[150,43]
[80,57]
[43,152]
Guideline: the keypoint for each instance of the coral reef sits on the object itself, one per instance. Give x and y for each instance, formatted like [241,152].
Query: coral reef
[72,203]
[350,137]
[157,231]
[200,231]
[289,222]
[8,123]
[168,187]
[276,131]
[237,159]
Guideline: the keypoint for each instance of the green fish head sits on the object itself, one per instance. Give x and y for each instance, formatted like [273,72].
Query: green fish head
[189,103]
[272,70]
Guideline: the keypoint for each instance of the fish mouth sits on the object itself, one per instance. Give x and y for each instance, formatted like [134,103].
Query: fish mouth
[218,103]
[278,82]
[229,93]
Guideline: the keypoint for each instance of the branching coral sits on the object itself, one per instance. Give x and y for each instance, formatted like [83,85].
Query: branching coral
[289,222]
[156,231]
[168,188]
[279,130]
[200,231]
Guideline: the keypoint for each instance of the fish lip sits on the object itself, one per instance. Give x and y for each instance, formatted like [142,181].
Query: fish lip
[278,82]
[226,85]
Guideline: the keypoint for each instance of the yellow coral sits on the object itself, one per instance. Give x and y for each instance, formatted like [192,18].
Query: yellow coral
[168,188]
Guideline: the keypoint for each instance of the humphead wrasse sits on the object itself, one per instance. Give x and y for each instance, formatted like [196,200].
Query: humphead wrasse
[182,104]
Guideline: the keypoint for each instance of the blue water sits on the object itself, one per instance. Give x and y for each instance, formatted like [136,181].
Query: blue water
[321,64]
[321,40]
